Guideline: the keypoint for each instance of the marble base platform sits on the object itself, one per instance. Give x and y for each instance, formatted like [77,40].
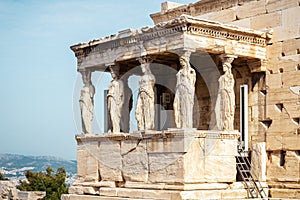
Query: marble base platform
[172,164]
[208,191]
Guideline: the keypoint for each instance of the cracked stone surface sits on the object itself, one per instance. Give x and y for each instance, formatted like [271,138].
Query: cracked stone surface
[134,160]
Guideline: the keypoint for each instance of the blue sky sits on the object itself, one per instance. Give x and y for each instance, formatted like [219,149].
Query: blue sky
[38,69]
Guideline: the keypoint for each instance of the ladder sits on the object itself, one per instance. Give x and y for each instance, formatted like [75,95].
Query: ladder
[253,186]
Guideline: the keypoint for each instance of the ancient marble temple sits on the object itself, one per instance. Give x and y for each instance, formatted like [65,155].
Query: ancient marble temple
[196,73]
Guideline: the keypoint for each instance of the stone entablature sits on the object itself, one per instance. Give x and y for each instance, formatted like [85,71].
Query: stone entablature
[181,33]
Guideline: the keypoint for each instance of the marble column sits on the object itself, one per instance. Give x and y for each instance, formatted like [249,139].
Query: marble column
[86,102]
[145,112]
[184,95]
[225,104]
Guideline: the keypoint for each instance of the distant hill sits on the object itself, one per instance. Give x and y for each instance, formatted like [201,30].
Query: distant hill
[14,166]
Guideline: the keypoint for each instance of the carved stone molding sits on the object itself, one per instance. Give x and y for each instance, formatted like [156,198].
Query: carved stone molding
[145,59]
[183,24]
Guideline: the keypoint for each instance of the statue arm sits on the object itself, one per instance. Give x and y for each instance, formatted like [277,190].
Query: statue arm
[91,107]
[192,79]
[152,80]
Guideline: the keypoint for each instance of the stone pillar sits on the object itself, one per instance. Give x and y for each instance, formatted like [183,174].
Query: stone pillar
[225,104]
[87,102]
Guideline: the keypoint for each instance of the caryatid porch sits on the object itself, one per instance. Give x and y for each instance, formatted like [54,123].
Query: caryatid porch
[164,43]
[181,163]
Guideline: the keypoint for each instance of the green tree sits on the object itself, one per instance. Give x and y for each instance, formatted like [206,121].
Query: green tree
[53,183]
[2,177]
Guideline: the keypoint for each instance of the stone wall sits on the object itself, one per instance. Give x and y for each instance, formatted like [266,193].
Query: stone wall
[8,191]
[172,164]
[160,157]
[274,116]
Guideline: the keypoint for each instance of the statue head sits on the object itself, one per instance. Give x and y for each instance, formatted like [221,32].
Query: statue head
[227,60]
[226,67]
[184,59]
[145,67]
[86,76]
[114,70]
[145,63]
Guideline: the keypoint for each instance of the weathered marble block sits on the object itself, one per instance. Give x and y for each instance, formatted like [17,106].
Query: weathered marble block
[134,160]
[259,160]
[171,157]
[86,170]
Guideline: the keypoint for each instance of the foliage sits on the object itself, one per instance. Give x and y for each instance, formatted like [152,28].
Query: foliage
[2,177]
[53,184]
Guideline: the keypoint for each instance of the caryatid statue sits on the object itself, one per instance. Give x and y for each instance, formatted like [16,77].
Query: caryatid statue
[185,91]
[145,112]
[225,104]
[115,98]
[86,102]
[87,110]
[87,81]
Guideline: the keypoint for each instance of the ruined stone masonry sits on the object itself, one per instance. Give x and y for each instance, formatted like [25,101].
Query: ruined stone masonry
[171,162]
[8,191]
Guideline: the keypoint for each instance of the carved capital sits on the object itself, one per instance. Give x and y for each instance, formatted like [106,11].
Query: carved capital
[185,55]
[145,59]
[145,63]
[227,58]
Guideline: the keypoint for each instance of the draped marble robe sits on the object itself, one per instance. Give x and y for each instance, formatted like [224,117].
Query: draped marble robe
[145,112]
[225,104]
[115,99]
[184,96]
[87,110]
